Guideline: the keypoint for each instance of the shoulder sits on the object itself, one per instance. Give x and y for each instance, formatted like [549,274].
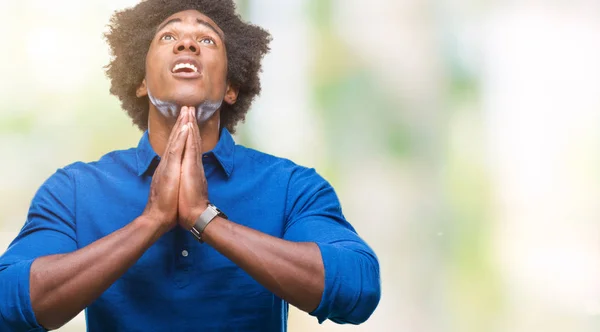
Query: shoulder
[298,180]
[245,154]
[117,160]
[278,165]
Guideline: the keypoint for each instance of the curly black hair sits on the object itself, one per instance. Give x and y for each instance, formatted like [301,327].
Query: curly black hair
[131,31]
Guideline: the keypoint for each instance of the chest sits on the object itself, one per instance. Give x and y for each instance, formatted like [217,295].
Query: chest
[177,269]
[107,204]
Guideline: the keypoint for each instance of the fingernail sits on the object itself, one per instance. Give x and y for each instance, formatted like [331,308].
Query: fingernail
[185,127]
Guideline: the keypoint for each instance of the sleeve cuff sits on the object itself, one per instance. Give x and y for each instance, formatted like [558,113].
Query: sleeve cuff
[329,256]
[352,285]
[16,309]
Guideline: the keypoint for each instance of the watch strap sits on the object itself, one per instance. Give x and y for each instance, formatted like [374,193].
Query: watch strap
[204,219]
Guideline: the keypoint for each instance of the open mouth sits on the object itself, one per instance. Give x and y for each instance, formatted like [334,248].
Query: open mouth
[184,68]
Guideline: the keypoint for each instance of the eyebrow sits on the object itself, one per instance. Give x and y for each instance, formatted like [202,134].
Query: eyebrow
[199,21]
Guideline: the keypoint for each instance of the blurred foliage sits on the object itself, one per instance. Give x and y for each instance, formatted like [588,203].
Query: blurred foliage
[411,166]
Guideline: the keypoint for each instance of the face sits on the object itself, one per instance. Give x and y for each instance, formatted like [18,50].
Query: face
[186,64]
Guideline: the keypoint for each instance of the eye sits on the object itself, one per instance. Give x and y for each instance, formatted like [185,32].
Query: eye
[167,37]
[207,41]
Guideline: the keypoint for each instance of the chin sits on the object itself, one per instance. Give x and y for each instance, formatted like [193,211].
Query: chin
[189,99]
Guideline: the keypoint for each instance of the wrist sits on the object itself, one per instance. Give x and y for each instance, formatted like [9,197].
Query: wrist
[194,215]
[207,216]
[212,228]
[152,225]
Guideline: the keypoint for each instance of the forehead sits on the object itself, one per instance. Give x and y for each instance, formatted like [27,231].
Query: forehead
[192,16]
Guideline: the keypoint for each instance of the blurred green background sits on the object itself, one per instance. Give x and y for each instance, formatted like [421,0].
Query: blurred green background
[462,137]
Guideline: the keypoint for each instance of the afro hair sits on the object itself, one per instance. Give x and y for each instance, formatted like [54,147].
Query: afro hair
[131,31]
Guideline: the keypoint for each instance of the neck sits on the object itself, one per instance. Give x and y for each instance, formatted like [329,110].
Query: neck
[160,126]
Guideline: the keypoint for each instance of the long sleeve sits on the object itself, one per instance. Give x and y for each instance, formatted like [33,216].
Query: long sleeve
[49,229]
[352,282]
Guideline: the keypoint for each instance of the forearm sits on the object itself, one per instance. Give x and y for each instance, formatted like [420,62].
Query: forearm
[291,270]
[63,285]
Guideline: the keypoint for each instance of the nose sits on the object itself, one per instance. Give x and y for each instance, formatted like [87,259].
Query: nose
[186,45]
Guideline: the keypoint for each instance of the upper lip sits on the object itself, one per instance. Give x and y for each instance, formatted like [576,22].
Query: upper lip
[187,59]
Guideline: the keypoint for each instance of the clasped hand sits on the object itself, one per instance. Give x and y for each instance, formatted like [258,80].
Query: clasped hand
[178,193]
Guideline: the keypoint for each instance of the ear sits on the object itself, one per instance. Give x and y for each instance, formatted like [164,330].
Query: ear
[231,94]
[142,90]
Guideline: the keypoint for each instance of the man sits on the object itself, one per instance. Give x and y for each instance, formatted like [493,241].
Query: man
[138,238]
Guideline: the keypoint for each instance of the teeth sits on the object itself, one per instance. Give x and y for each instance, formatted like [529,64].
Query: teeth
[185,65]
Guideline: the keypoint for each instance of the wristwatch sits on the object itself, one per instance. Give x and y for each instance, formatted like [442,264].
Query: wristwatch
[204,219]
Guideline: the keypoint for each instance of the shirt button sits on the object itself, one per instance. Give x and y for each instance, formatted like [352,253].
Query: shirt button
[184,253]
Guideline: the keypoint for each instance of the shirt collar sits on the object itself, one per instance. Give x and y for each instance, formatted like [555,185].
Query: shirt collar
[223,152]
[145,154]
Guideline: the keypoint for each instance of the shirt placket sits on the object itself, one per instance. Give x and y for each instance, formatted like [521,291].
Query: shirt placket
[184,256]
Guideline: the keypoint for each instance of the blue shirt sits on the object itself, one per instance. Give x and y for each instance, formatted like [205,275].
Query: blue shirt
[180,284]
